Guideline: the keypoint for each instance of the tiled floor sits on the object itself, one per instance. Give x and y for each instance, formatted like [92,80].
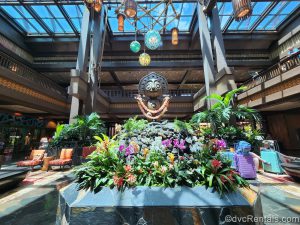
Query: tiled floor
[35,201]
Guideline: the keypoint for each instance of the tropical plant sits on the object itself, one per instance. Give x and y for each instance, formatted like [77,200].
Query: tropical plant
[82,130]
[224,112]
[183,126]
[134,124]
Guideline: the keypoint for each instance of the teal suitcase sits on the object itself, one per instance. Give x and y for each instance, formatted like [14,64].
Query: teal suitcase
[229,156]
[272,158]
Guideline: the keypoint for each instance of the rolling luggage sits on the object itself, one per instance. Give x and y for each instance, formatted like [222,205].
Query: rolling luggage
[229,156]
[272,158]
[244,164]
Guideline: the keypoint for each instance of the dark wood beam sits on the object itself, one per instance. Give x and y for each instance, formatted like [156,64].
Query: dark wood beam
[116,79]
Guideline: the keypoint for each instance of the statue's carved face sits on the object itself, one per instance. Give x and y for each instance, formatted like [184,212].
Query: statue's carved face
[153,85]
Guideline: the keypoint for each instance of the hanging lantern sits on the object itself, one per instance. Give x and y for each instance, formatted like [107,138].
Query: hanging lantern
[135,46]
[242,9]
[174,32]
[98,5]
[89,1]
[144,59]
[152,39]
[121,18]
[130,8]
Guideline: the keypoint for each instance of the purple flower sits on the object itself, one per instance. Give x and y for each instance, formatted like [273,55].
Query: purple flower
[121,148]
[178,144]
[129,150]
[221,144]
[167,143]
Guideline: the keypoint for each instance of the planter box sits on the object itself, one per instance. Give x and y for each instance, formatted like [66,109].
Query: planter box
[153,206]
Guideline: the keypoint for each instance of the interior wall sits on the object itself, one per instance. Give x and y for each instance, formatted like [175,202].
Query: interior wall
[285,128]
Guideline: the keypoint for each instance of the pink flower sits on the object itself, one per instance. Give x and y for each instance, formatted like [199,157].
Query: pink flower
[216,163]
[167,143]
[121,148]
[118,181]
[221,144]
[127,168]
[163,169]
[131,179]
[129,150]
[178,144]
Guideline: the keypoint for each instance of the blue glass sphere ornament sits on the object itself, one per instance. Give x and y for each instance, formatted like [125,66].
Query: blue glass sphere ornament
[144,59]
[135,46]
[152,39]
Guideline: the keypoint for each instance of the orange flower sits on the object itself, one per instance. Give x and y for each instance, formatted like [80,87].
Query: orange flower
[127,168]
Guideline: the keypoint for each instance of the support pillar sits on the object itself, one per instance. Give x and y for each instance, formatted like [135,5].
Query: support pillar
[96,53]
[224,77]
[207,54]
[81,66]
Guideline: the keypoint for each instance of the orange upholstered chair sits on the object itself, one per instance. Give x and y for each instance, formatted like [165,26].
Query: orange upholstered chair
[65,158]
[35,159]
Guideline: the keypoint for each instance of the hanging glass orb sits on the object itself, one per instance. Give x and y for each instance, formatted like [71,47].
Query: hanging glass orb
[135,46]
[152,39]
[144,59]
[121,19]
[242,9]
[89,1]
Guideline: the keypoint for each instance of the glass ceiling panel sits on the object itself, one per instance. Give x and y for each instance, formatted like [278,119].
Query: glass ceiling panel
[53,18]
[266,15]
[24,19]
[278,14]
[164,18]
[65,19]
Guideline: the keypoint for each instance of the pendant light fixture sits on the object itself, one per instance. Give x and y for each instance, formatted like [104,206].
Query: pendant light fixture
[98,5]
[130,8]
[121,18]
[242,9]
[175,32]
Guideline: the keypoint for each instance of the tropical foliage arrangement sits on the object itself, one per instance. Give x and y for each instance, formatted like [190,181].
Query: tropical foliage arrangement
[82,130]
[170,154]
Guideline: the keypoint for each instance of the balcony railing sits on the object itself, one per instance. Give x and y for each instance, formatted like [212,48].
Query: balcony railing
[25,72]
[132,94]
[283,66]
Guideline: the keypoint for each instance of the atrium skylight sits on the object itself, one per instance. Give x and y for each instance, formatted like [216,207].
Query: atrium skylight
[64,17]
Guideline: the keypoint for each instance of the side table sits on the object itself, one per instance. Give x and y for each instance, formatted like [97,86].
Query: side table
[46,162]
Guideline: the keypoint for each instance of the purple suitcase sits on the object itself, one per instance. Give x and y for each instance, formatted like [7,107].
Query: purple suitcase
[244,164]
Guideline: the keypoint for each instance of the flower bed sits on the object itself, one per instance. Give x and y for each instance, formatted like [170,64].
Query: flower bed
[156,154]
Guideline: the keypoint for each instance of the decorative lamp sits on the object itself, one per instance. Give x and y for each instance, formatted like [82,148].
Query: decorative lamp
[242,9]
[174,32]
[130,8]
[98,5]
[152,39]
[121,18]
[144,59]
[135,46]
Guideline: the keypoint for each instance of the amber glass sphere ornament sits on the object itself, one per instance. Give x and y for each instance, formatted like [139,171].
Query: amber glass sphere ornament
[121,19]
[130,8]
[144,59]
[175,32]
[242,9]
[98,5]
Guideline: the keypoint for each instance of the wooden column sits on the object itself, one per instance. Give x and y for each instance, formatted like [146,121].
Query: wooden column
[207,54]
[96,53]
[81,65]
